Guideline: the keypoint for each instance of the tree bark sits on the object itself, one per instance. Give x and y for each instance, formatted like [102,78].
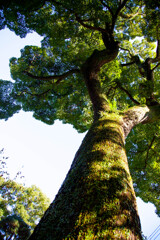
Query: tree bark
[90,70]
[97,199]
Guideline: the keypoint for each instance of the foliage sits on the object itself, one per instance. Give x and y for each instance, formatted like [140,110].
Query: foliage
[100,56]
[14,227]
[8,105]
[144,160]
[20,206]
[11,14]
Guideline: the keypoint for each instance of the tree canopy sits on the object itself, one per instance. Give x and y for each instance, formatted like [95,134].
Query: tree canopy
[70,36]
[12,14]
[114,43]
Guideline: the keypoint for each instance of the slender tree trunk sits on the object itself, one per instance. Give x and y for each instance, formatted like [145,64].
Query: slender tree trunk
[96,200]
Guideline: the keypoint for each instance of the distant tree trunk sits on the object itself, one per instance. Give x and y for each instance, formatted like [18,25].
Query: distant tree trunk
[97,199]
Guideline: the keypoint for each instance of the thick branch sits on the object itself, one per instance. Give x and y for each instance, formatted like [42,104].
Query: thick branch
[59,78]
[114,18]
[127,64]
[90,71]
[140,114]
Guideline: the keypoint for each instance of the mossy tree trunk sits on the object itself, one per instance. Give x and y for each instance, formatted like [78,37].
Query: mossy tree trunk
[97,199]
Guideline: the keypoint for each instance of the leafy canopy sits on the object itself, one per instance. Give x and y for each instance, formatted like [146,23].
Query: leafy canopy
[71,34]
[49,82]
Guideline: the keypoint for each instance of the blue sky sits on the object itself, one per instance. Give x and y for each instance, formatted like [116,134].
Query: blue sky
[45,152]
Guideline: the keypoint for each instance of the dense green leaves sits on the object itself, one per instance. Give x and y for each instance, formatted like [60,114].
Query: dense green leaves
[27,202]
[8,104]
[20,207]
[50,99]
[143,147]
[151,30]
[71,35]
[12,14]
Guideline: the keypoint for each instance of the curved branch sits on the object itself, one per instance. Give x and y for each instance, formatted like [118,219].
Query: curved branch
[149,147]
[82,22]
[115,16]
[129,95]
[59,78]
[34,94]
[127,64]
[125,49]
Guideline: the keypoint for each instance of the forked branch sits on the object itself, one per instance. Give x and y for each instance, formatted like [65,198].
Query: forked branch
[82,22]
[108,7]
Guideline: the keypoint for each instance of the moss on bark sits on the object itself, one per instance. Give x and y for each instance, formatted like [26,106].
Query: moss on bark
[96,200]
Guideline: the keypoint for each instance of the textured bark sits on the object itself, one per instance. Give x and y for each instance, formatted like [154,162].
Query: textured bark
[90,70]
[140,114]
[96,200]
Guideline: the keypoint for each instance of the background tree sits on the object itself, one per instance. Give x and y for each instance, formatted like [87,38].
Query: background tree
[20,207]
[13,227]
[97,70]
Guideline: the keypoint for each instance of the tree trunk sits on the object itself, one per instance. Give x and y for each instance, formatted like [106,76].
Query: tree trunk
[97,199]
